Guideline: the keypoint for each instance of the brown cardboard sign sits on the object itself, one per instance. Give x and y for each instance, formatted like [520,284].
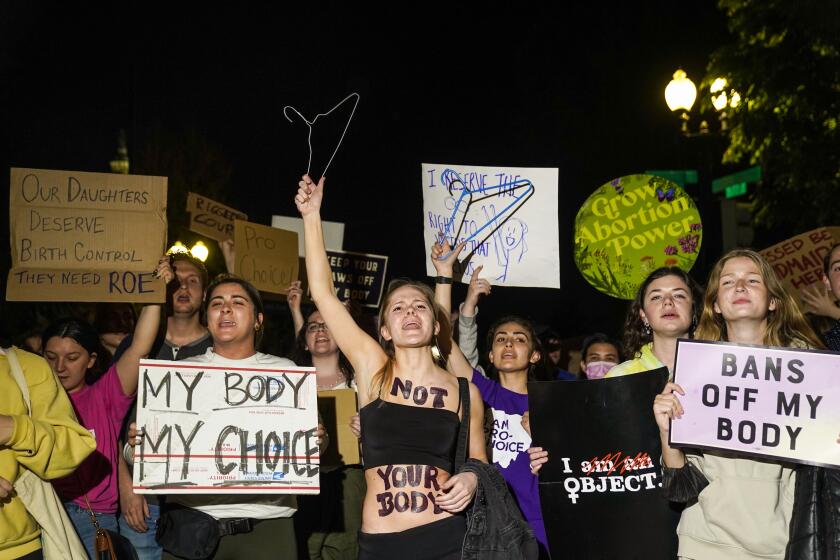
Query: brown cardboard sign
[337,406]
[78,236]
[210,218]
[265,256]
[798,261]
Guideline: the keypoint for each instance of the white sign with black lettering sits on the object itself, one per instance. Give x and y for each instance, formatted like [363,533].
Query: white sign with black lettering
[220,430]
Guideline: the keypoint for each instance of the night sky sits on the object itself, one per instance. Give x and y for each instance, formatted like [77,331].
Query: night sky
[578,88]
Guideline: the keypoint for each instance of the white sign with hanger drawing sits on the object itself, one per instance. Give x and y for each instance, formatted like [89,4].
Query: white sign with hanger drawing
[506,215]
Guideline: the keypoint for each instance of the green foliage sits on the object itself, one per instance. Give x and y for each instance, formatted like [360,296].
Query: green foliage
[784,60]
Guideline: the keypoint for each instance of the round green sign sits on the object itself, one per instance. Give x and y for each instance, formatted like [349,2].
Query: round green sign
[632,226]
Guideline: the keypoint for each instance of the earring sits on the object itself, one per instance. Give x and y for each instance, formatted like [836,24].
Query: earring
[646,329]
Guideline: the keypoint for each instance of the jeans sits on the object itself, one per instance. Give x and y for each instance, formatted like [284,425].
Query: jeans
[144,543]
[80,516]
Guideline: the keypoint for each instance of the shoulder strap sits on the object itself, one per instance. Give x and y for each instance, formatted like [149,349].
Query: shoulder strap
[17,374]
[464,430]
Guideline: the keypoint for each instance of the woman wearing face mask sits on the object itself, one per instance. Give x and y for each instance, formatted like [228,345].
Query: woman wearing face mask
[72,348]
[666,307]
[514,358]
[741,507]
[411,411]
[329,522]
[599,354]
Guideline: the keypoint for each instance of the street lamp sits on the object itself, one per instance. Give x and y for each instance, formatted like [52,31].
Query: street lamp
[200,251]
[680,95]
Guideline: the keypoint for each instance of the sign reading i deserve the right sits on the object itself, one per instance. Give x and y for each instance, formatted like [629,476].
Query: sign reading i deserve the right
[776,403]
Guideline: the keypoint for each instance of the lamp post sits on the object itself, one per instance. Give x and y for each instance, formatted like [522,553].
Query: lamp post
[680,94]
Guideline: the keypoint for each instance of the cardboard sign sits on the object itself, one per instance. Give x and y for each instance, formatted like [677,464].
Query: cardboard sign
[604,450]
[337,407]
[210,218]
[631,226]
[769,402]
[798,262]
[220,430]
[79,236]
[333,232]
[265,256]
[358,276]
[507,216]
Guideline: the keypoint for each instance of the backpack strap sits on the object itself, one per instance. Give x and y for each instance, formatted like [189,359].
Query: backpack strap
[464,429]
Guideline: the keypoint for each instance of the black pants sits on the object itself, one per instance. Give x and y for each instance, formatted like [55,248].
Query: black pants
[37,555]
[441,540]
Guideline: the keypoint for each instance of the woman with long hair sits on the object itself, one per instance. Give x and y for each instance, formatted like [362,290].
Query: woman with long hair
[410,410]
[742,506]
[666,308]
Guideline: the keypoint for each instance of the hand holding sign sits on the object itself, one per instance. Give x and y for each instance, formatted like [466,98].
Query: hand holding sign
[444,257]
[667,407]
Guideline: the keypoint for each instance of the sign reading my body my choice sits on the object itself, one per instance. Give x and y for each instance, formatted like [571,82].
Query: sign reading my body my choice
[219,430]
[79,236]
[771,402]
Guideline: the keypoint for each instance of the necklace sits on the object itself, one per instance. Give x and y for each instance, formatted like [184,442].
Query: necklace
[339,381]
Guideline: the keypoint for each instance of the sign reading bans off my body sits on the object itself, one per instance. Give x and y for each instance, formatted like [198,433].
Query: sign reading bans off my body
[79,236]
[776,403]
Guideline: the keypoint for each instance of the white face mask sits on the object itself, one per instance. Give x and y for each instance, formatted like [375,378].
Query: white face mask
[597,370]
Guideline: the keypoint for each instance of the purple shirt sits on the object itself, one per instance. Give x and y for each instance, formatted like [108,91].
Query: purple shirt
[509,449]
[101,408]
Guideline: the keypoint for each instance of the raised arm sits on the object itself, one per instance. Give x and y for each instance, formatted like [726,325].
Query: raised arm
[293,298]
[145,332]
[456,363]
[364,352]
[467,328]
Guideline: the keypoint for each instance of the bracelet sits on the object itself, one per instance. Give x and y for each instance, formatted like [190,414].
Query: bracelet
[443,280]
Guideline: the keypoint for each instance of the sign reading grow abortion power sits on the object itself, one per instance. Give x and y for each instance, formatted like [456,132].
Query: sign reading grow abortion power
[79,236]
[632,226]
[607,468]
[506,215]
[771,402]
[225,430]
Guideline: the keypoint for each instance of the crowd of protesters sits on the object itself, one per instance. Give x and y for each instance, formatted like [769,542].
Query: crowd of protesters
[82,395]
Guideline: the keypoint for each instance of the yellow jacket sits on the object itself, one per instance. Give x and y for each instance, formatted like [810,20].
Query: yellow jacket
[644,361]
[51,444]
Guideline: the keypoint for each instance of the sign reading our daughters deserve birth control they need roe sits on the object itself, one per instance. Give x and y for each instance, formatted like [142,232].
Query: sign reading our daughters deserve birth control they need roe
[79,236]
[210,429]
[771,402]
[506,215]
[631,226]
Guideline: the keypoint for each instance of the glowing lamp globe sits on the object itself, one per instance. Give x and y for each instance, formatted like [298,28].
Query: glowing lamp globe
[681,92]
[200,251]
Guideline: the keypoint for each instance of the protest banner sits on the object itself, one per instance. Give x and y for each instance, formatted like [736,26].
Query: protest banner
[631,226]
[337,407]
[226,430]
[506,215]
[210,218]
[774,403]
[266,256]
[358,276]
[79,236]
[601,489]
[798,261]
[333,232]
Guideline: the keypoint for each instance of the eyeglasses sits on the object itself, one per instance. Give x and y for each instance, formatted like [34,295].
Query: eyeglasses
[315,327]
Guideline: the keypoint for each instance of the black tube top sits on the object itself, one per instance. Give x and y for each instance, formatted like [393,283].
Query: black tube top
[399,434]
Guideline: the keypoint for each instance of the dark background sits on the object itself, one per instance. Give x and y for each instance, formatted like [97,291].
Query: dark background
[574,87]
